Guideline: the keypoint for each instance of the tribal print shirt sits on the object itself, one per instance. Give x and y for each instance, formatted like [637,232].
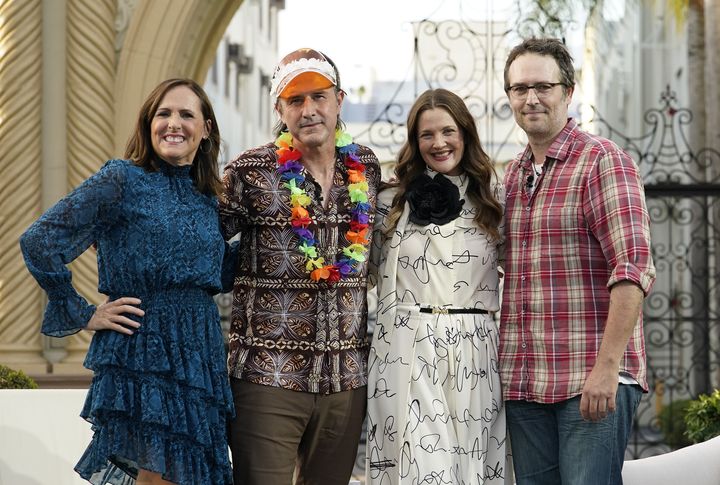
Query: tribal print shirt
[287,330]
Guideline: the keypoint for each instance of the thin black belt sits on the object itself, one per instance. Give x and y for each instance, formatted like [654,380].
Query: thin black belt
[436,309]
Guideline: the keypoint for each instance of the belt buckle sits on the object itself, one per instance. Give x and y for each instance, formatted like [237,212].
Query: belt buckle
[440,310]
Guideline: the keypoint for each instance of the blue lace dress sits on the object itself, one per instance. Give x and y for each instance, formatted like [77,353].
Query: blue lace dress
[159,399]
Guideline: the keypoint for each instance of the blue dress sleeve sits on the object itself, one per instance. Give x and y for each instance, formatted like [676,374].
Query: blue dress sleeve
[229,263]
[62,234]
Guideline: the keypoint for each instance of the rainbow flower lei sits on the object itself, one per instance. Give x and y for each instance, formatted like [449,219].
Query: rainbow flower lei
[291,171]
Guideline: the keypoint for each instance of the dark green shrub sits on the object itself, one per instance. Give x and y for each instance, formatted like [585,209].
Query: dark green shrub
[702,417]
[672,424]
[15,379]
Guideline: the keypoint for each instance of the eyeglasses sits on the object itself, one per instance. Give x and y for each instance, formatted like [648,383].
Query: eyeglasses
[520,91]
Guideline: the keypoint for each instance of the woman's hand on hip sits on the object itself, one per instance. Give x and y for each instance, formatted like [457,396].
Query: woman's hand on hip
[110,315]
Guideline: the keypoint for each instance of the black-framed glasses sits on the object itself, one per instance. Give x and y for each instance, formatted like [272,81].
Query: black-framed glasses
[520,91]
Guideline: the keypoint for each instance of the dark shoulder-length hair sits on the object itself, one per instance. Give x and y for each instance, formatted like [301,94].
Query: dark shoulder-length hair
[475,162]
[139,149]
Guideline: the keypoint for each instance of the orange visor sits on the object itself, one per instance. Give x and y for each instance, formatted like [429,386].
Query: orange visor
[305,82]
[300,71]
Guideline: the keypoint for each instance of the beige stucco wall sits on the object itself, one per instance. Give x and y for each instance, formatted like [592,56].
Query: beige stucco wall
[74,73]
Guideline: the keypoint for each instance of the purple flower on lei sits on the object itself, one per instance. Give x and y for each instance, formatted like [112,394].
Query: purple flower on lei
[306,235]
[345,267]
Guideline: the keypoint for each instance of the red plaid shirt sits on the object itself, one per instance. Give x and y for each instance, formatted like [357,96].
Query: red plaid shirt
[585,228]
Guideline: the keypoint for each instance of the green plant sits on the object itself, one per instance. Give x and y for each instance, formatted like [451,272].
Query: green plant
[672,423]
[702,417]
[15,379]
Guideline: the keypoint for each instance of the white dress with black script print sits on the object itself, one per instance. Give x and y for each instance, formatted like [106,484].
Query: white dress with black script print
[435,408]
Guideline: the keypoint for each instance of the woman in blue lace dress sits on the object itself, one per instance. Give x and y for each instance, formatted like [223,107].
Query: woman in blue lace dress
[160,397]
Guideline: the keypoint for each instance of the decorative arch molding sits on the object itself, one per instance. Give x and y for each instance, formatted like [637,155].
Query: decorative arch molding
[75,73]
[165,41]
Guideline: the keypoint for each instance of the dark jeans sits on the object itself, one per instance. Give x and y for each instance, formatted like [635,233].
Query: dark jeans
[553,445]
[278,432]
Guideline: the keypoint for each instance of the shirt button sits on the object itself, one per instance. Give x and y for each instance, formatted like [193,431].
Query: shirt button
[524,345]
[524,243]
[522,277]
[527,208]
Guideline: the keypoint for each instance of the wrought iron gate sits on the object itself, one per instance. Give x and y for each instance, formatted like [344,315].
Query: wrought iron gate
[682,326]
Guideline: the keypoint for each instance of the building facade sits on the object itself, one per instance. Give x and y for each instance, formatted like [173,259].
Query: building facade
[74,74]
[238,82]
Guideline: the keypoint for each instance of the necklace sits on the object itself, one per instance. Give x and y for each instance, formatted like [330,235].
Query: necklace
[537,169]
[292,172]
[533,177]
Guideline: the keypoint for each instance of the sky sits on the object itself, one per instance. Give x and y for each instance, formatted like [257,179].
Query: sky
[365,35]
[373,39]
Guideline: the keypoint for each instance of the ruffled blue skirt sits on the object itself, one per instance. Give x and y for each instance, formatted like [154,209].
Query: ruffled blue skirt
[160,399]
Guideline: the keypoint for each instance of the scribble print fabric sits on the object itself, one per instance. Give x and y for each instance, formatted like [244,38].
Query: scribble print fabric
[160,398]
[435,408]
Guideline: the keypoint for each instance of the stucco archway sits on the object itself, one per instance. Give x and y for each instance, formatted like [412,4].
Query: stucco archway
[161,42]
[73,80]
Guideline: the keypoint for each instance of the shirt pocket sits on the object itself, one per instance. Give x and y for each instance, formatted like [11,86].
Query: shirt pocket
[566,230]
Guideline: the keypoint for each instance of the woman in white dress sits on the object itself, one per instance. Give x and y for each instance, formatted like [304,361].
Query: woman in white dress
[435,408]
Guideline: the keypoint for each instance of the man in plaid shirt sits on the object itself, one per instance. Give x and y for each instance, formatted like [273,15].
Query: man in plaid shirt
[578,266]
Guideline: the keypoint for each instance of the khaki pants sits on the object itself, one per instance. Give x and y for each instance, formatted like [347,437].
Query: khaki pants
[278,434]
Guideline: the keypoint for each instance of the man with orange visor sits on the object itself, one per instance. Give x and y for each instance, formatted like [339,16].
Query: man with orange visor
[303,206]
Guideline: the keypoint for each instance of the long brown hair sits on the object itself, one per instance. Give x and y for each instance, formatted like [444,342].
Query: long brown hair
[475,162]
[139,149]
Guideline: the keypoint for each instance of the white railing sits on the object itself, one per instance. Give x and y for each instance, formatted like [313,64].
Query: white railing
[42,436]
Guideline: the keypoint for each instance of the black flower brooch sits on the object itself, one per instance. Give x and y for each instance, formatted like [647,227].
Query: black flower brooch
[433,200]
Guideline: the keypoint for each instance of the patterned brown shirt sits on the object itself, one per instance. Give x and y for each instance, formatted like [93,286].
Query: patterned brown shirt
[287,330]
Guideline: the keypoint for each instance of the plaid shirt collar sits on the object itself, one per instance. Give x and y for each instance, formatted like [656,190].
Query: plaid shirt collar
[559,149]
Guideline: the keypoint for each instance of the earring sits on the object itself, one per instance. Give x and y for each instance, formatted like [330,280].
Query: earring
[209,149]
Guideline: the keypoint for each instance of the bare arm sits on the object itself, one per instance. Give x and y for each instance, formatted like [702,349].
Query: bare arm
[598,396]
